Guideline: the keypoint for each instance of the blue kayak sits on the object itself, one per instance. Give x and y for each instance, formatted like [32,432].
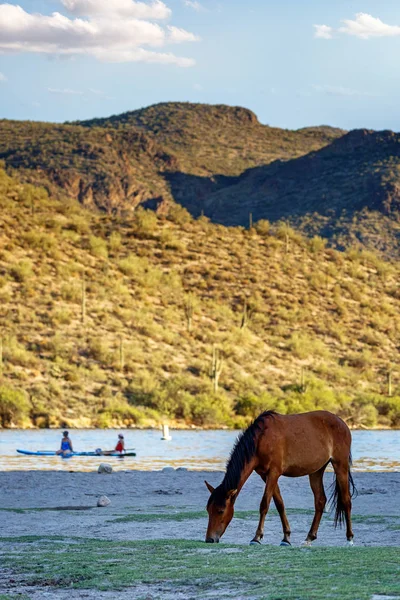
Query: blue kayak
[71,454]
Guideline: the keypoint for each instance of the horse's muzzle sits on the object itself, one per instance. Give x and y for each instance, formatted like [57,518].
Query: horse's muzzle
[210,540]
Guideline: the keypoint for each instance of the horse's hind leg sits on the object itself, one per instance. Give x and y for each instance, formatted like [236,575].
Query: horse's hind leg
[272,480]
[343,497]
[317,486]
[280,507]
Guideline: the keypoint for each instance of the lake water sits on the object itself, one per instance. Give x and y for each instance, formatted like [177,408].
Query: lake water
[205,450]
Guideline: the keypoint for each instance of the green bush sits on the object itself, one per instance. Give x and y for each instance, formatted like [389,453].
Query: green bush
[145,223]
[179,215]
[250,405]
[98,247]
[21,271]
[14,406]
[263,227]
[115,242]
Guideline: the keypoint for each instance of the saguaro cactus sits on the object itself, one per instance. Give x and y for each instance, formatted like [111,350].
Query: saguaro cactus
[216,367]
[247,313]
[121,354]
[303,384]
[189,311]
[389,383]
[83,300]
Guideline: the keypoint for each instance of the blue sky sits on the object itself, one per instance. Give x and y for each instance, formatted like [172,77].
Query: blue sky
[266,55]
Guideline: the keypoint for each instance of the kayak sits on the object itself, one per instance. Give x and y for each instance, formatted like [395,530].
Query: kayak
[71,454]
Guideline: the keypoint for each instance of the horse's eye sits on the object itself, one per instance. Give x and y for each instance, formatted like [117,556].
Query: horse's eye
[221,511]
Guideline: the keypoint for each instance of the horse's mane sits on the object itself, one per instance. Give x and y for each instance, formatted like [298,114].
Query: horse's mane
[242,453]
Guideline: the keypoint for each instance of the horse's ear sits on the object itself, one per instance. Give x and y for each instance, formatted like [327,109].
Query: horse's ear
[210,487]
[232,495]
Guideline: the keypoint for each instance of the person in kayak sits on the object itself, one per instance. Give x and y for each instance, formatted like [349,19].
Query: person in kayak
[120,447]
[66,444]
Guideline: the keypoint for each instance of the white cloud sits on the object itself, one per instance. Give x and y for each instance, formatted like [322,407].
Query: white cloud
[177,35]
[109,37]
[363,26]
[332,90]
[64,92]
[123,8]
[366,26]
[3,78]
[323,31]
[193,4]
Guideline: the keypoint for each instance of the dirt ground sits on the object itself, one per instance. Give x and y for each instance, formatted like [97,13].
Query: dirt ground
[151,505]
[170,492]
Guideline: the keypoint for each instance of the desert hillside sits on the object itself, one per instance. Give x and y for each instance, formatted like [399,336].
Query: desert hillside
[220,161]
[111,319]
[168,152]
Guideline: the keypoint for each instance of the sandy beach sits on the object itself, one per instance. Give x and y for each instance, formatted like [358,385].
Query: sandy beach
[57,494]
[42,507]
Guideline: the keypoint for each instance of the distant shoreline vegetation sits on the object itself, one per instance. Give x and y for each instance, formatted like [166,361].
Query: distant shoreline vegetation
[110,320]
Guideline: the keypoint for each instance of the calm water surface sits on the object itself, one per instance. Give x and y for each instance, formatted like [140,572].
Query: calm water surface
[208,450]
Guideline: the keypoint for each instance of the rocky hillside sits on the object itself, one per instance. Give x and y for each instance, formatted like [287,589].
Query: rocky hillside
[110,319]
[347,191]
[146,155]
[221,162]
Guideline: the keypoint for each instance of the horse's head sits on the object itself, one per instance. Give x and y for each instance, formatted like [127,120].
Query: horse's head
[220,510]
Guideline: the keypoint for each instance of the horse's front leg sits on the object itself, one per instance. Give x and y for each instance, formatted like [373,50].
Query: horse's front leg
[280,507]
[272,480]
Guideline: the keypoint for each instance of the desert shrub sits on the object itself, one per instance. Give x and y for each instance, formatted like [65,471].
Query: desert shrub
[179,215]
[30,195]
[317,244]
[211,410]
[117,412]
[40,240]
[99,350]
[14,406]
[358,360]
[145,223]
[79,224]
[316,395]
[170,242]
[17,354]
[61,316]
[250,405]
[303,346]
[389,409]
[71,291]
[115,242]
[133,266]
[98,247]
[361,412]
[21,271]
[263,227]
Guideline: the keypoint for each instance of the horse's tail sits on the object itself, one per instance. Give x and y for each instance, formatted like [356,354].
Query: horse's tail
[336,500]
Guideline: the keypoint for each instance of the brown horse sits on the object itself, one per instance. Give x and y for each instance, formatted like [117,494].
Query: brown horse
[290,445]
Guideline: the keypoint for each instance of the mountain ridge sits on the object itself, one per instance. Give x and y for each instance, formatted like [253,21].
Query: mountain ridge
[220,161]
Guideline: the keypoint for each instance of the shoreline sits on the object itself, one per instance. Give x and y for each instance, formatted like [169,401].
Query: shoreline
[148,505]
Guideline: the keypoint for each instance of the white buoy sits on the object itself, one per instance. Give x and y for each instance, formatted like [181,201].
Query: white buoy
[166,436]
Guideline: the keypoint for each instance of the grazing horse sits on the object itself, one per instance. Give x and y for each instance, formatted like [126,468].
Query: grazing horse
[290,445]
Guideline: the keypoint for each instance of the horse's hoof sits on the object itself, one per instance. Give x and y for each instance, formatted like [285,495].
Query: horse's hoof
[255,543]
[306,544]
[350,543]
[283,543]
